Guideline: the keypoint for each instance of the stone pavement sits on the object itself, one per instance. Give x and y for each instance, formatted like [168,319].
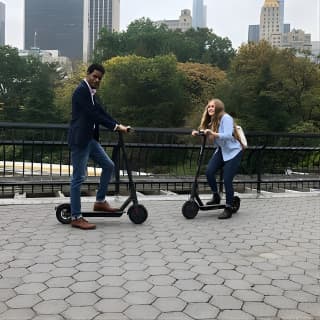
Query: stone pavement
[261,264]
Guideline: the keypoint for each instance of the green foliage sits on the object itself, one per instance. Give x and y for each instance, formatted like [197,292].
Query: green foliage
[271,89]
[145,92]
[144,38]
[26,88]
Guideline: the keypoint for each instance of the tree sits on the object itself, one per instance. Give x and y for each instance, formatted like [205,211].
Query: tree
[202,80]
[270,88]
[26,88]
[147,39]
[145,91]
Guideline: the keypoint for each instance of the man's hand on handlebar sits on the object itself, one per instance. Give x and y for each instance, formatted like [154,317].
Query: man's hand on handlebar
[123,128]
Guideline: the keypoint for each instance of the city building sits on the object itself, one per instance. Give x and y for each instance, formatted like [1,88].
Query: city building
[253,33]
[286,28]
[199,14]
[99,14]
[298,40]
[50,56]
[2,23]
[281,15]
[55,25]
[315,50]
[184,23]
[69,26]
[270,23]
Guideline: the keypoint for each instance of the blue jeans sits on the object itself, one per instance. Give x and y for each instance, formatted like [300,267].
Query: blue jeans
[79,158]
[230,168]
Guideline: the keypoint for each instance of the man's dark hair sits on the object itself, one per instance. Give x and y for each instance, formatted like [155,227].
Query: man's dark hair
[96,66]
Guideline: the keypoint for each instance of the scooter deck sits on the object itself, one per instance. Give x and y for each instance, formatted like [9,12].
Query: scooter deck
[102,214]
[212,207]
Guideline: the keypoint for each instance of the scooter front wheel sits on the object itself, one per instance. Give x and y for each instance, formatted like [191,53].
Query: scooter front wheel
[235,204]
[137,213]
[63,213]
[190,209]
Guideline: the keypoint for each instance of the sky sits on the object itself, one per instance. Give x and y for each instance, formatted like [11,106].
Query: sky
[226,18]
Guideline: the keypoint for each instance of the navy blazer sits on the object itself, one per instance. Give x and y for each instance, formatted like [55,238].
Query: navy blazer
[86,117]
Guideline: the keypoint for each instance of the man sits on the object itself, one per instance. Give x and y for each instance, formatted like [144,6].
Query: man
[83,137]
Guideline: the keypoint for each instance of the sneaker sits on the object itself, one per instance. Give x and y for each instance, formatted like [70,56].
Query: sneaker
[226,214]
[215,199]
[104,206]
[82,224]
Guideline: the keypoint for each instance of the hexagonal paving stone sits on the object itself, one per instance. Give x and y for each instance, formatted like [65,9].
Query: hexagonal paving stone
[248,295]
[6,294]
[84,286]
[259,309]
[280,302]
[55,293]
[80,313]
[161,280]
[139,298]
[111,305]
[50,307]
[201,311]
[60,282]
[294,314]
[300,296]
[217,290]
[164,291]
[194,296]
[169,304]
[113,281]
[310,308]
[142,312]
[174,316]
[226,302]
[188,285]
[111,316]
[235,315]
[21,314]
[30,288]
[82,299]
[111,292]
[137,285]
[23,301]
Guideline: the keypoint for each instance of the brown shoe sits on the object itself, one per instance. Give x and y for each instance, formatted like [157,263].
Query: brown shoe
[104,206]
[82,224]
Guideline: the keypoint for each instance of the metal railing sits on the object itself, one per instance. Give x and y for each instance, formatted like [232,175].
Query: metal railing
[35,159]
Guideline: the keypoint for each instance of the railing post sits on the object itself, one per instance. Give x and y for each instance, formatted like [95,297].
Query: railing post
[259,173]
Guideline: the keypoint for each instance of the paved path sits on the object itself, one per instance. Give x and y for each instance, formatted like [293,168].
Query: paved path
[261,264]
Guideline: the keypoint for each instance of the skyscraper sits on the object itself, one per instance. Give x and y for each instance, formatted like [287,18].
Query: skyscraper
[270,22]
[99,14]
[281,14]
[253,33]
[71,26]
[53,25]
[199,14]
[2,23]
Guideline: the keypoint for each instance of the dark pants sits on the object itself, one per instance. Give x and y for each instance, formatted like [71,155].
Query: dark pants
[230,168]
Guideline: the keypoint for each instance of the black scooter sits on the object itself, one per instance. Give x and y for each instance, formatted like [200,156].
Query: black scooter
[191,207]
[136,212]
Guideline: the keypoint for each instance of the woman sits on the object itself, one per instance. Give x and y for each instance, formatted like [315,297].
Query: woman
[219,126]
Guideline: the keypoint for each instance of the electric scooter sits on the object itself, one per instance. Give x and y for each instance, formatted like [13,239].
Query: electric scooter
[191,207]
[136,212]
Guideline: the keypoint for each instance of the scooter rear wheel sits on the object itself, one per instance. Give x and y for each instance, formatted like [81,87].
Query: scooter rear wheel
[235,204]
[63,213]
[137,213]
[190,209]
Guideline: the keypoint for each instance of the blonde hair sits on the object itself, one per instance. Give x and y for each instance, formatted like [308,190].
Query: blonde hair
[212,122]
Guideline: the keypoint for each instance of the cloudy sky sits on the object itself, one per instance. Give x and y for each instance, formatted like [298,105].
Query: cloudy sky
[227,18]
